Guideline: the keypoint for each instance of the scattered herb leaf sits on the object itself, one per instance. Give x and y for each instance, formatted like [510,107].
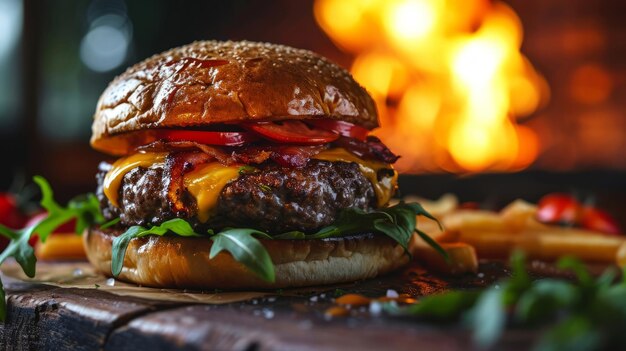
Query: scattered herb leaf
[247,169]
[85,209]
[265,188]
[588,314]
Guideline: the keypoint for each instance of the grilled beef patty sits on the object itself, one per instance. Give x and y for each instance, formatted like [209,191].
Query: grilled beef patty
[273,198]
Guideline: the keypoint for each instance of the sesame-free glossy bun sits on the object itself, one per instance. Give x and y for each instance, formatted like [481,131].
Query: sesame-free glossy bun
[183,262]
[211,82]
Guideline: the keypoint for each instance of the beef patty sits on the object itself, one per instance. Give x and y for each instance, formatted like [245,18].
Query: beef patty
[274,199]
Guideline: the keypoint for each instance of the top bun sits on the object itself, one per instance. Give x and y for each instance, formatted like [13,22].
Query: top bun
[225,82]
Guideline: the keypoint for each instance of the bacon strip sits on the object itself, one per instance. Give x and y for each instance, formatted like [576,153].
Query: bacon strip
[284,155]
[178,164]
[372,148]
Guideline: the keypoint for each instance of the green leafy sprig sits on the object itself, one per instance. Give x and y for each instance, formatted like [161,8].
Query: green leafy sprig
[398,222]
[588,314]
[84,209]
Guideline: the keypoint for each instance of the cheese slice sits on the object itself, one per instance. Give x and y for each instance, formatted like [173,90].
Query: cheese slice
[384,188]
[113,178]
[206,184]
[207,181]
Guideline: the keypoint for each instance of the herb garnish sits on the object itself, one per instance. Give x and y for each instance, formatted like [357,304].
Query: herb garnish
[587,314]
[85,209]
[398,222]
[247,169]
[265,188]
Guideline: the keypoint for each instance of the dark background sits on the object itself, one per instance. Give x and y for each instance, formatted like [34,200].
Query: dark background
[49,86]
[45,125]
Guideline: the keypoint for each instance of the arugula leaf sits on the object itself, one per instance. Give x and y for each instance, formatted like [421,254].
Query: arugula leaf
[530,307]
[88,207]
[293,235]
[245,249]
[589,314]
[119,246]
[579,269]
[573,334]
[488,316]
[84,209]
[440,307]
[110,223]
[177,226]
[435,245]
[398,222]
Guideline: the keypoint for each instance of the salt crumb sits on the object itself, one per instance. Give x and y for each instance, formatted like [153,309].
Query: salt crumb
[268,313]
[392,294]
[111,282]
[376,308]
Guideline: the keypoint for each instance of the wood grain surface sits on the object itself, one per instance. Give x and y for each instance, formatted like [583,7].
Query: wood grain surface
[42,317]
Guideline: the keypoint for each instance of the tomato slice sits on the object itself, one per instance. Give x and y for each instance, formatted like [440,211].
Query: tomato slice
[559,208]
[599,221]
[564,209]
[209,137]
[340,127]
[293,132]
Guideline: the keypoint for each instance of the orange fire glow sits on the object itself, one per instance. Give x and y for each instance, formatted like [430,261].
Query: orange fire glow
[448,78]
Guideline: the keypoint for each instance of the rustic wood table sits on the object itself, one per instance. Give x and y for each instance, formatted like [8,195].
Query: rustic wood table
[45,317]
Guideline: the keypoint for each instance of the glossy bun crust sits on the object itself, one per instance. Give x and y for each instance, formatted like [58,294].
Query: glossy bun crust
[183,262]
[226,82]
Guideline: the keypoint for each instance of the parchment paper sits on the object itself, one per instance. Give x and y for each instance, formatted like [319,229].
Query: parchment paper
[83,276]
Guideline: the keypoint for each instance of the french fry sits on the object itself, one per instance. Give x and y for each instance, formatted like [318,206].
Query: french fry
[520,215]
[546,244]
[588,247]
[462,258]
[489,244]
[474,220]
[621,256]
[496,235]
[65,246]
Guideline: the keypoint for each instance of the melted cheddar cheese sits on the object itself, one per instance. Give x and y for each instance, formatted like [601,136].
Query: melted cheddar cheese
[384,188]
[113,178]
[207,181]
[206,184]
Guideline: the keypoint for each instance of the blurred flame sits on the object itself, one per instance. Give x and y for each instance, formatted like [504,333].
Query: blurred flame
[448,78]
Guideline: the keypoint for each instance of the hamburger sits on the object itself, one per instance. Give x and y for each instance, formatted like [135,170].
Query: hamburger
[243,165]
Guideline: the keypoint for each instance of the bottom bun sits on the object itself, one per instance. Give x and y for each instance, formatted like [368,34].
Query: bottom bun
[183,262]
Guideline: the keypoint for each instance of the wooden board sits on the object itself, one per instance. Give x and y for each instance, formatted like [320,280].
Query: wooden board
[42,317]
